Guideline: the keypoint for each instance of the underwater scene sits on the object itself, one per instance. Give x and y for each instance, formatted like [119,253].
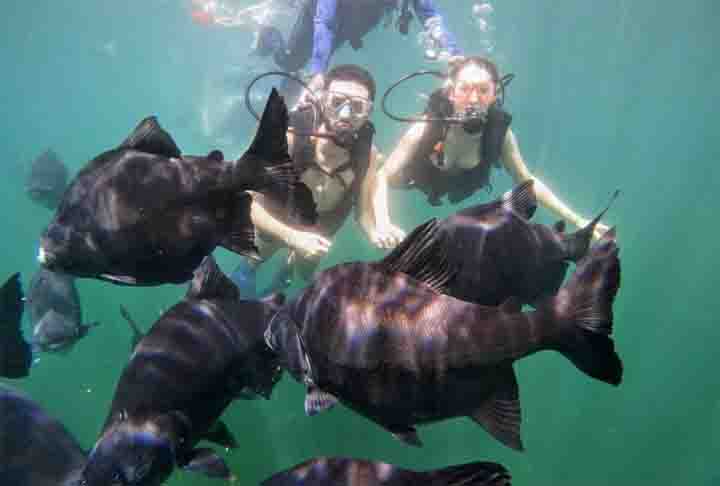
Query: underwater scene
[359,242]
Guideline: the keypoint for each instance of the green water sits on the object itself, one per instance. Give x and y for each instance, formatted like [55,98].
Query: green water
[615,94]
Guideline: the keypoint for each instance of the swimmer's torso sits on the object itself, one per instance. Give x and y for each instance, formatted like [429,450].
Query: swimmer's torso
[328,190]
[461,149]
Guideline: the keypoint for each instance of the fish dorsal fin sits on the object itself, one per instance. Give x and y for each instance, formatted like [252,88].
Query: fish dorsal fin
[150,137]
[209,282]
[423,256]
[521,199]
[511,305]
[560,226]
[270,142]
[11,303]
[216,155]
[577,244]
[500,414]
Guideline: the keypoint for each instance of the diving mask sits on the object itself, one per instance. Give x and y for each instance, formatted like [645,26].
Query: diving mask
[340,106]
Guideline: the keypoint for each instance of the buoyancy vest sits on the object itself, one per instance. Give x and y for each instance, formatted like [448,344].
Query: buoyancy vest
[303,155]
[420,173]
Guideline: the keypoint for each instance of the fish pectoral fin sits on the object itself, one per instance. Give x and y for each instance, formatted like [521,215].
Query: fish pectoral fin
[423,256]
[500,414]
[240,236]
[149,137]
[221,435]
[209,282]
[317,401]
[521,200]
[408,435]
[207,462]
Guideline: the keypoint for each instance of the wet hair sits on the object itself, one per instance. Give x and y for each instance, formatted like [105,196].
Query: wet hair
[479,61]
[352,72]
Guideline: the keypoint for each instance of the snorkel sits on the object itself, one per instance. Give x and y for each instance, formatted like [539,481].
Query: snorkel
[322,114]
[473,118]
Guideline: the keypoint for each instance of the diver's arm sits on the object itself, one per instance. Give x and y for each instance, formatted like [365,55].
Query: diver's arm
[385,234]
[426,9]
[366,216]
[310,245]
[323,36]
[515,165]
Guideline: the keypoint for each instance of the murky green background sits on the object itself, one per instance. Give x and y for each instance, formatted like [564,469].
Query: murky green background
[614,94]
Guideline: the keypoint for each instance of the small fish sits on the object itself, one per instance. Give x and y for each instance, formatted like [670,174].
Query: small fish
[384,339]
[499,254]
[341,471]
[203,353]
[15,352]
[47,180]
[55,312]
[36,450]
[142,214]
[137,334]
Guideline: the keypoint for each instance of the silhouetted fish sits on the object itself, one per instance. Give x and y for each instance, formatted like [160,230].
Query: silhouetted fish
[200,355]
[15,352]
[47,179]
[142,214]
[340,471]
[499,254]
[55,312]
[383,339]
[35,449]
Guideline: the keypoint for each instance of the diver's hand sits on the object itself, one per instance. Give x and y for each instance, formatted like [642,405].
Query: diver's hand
[315,85]
[386,236]
[308,245]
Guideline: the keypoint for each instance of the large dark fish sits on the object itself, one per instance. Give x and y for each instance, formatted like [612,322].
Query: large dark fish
[47,179]
[15,352]
[341,471]
[35,449]
[499,254]
[55,312]
[198,357]
[142,214]
[384,340]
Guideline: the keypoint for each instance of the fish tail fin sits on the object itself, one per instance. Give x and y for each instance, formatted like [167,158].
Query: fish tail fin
[577,244]
[583,309]
[470,474]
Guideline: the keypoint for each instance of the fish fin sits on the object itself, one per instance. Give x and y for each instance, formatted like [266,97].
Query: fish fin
[207,462]
[511,305]
[148,136]
[270,142]
[500,414]
[209,282]
[240,238]
[216,155]
[83,329]
[137,333]
[560,226]
[470,474]
[577,244]
[317,401]
[423,256]
[583,310]
[15,352]
[119,279]
[521,199]
[408,435]
[221,435]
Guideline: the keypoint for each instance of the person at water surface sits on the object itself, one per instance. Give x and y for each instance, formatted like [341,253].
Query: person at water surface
[337,161]
[464,133]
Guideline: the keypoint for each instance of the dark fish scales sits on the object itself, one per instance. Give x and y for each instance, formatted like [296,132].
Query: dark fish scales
[385,340]
[203,353]
[143,214]
[15,352]
[47,179]
[341,471]
[499,253]
[35,449]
